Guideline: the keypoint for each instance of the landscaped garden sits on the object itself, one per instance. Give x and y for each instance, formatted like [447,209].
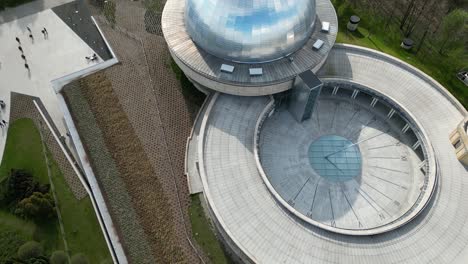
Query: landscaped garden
[441,55]
[29,226]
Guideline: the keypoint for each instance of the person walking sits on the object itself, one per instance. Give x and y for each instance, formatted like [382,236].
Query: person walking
[31,37]
[26,66]
[2,104]
[21,49]
[4,122]
[28,29]
[46,34]
[18,40]
[23,57]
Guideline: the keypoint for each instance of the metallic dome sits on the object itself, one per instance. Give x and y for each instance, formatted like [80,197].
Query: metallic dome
[250,30]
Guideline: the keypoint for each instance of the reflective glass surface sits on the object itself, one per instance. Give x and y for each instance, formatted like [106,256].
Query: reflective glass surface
[250,30]
[335,158]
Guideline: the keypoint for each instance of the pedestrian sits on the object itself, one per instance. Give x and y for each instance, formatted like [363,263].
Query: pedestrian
[2,104]
[21,49]
[46,34]
[29,29]
[23,57]
[1,124]
[31,37]
[4,122]
[18,40]
[26,66]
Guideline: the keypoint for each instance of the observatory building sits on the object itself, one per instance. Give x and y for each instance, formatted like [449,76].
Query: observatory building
[307,151]
[249,48]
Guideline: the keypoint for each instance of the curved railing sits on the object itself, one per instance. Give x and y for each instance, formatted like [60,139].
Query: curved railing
[425,194]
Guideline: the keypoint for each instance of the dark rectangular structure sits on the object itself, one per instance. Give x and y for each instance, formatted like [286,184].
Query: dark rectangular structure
[304,94]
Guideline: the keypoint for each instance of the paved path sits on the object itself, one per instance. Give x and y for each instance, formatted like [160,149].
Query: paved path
[151,96]
[61,54]
[265,233]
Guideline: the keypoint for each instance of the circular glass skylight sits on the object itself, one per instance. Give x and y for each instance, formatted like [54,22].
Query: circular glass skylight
[335,158]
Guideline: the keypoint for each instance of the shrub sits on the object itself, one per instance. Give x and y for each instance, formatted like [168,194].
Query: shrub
[38,206]
[79,259]
[21,185]
[59,257]
[9,243]
[109,11]
[29,250]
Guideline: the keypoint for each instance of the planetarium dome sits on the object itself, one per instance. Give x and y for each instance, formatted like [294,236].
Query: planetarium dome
[250,31]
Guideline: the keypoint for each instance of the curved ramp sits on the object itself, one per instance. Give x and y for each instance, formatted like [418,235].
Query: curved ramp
[263,232]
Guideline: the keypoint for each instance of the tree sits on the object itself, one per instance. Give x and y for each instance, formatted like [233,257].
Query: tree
[59,257]
[414,11]
[29,250]
[453,31]
[38,206]
[79,259]
[454,4]
[21,185]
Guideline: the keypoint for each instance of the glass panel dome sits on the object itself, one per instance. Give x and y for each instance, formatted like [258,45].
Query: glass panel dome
[250,30]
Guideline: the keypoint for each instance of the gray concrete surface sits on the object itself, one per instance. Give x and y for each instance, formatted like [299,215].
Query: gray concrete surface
[264,232]
[386,188]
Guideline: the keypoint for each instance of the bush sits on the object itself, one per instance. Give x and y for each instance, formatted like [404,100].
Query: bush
[29,250]
[109,11]
[9,244]
[21,185]
[79,259]
[59,257]
[38,206]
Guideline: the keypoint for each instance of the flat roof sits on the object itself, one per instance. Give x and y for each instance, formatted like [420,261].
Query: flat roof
[266,233]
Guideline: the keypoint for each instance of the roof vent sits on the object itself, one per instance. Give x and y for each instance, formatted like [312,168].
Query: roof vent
[318,44]
[255,71]
[227,68]
[325,26]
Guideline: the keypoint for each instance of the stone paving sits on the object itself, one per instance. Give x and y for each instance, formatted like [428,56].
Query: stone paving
[151,97]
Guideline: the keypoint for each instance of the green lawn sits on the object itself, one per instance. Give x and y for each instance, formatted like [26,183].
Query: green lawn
[387,39]
[24,151]
[82,229]
[202,231]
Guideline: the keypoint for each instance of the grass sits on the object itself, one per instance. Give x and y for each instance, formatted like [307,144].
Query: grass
[203,232]
[24,150]
[82,230]
[387,39]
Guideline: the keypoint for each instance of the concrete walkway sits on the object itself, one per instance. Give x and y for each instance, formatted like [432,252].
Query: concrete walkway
[61,54]
[263,232]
